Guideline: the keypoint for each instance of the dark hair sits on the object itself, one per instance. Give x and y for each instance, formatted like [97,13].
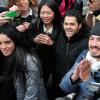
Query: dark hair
[83,32]
[76,14]
[52,4]
[72,4]
[75,4]
[15,64]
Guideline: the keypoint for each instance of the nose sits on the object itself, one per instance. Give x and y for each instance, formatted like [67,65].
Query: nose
[2,46]
[95,42]
[68,26]
[45,15]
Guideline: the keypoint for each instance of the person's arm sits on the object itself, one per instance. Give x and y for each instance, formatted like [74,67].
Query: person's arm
[3,19]
[33,79]
[66,83]
[71,81]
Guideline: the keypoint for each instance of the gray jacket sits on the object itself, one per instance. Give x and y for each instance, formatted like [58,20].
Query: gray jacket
[35,89]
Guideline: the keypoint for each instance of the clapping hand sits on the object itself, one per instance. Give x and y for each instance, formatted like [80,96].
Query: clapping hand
[82,71]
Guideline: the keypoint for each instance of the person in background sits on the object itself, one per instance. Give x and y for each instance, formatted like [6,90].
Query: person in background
[20,69]
[34,5]
[84,76]
[70,43]
[3,3]
[65,5]
[93,15]
[47,29]
[26,16]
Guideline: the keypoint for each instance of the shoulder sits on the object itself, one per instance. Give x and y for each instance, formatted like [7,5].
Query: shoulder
[82,55]
[32,62]
[31,58]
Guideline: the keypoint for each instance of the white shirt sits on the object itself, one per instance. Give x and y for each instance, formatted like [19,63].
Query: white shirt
[49,31]
[29,13]
[95,63]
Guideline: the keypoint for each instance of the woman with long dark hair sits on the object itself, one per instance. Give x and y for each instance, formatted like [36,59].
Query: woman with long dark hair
[20,69]
[47,29]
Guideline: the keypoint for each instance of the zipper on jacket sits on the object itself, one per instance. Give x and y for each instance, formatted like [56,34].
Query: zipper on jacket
[67,55]
[67,49]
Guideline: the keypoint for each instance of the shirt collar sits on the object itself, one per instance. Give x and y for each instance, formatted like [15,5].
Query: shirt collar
[49,31]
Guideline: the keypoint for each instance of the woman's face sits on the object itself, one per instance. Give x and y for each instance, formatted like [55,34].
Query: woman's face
[46,14]
[7,46]
[23,5]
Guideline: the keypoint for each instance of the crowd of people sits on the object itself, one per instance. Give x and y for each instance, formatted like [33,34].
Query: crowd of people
[49,49]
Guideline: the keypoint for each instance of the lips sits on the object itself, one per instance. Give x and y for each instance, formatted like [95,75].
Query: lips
[4,52]
[45,20]
[94,50]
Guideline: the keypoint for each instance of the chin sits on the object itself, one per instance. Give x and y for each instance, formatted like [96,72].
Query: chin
[6,54]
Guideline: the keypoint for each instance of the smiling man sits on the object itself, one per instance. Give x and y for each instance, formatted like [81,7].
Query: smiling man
[69,44]
[85,74]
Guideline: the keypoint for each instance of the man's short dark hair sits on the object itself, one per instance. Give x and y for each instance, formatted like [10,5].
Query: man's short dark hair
[75,13]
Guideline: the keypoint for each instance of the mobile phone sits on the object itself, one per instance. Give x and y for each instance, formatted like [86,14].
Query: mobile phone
[11,14]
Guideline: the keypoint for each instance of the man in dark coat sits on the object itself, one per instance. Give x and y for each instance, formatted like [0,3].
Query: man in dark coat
[70,43]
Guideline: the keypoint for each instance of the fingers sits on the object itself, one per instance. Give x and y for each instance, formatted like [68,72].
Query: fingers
[85,65]
[3,18]
[43,39]
[36,40]
[84,69]
[21,28]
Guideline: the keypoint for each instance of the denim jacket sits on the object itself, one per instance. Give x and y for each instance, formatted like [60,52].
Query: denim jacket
[81,88]
[34,89]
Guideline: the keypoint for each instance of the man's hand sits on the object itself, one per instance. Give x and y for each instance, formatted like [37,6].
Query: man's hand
[82,71]
[84,68]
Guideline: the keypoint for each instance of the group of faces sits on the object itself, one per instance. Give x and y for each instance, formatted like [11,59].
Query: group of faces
[70,25]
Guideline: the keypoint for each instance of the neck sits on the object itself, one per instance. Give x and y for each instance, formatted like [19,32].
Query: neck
[48,26]
[24,13]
